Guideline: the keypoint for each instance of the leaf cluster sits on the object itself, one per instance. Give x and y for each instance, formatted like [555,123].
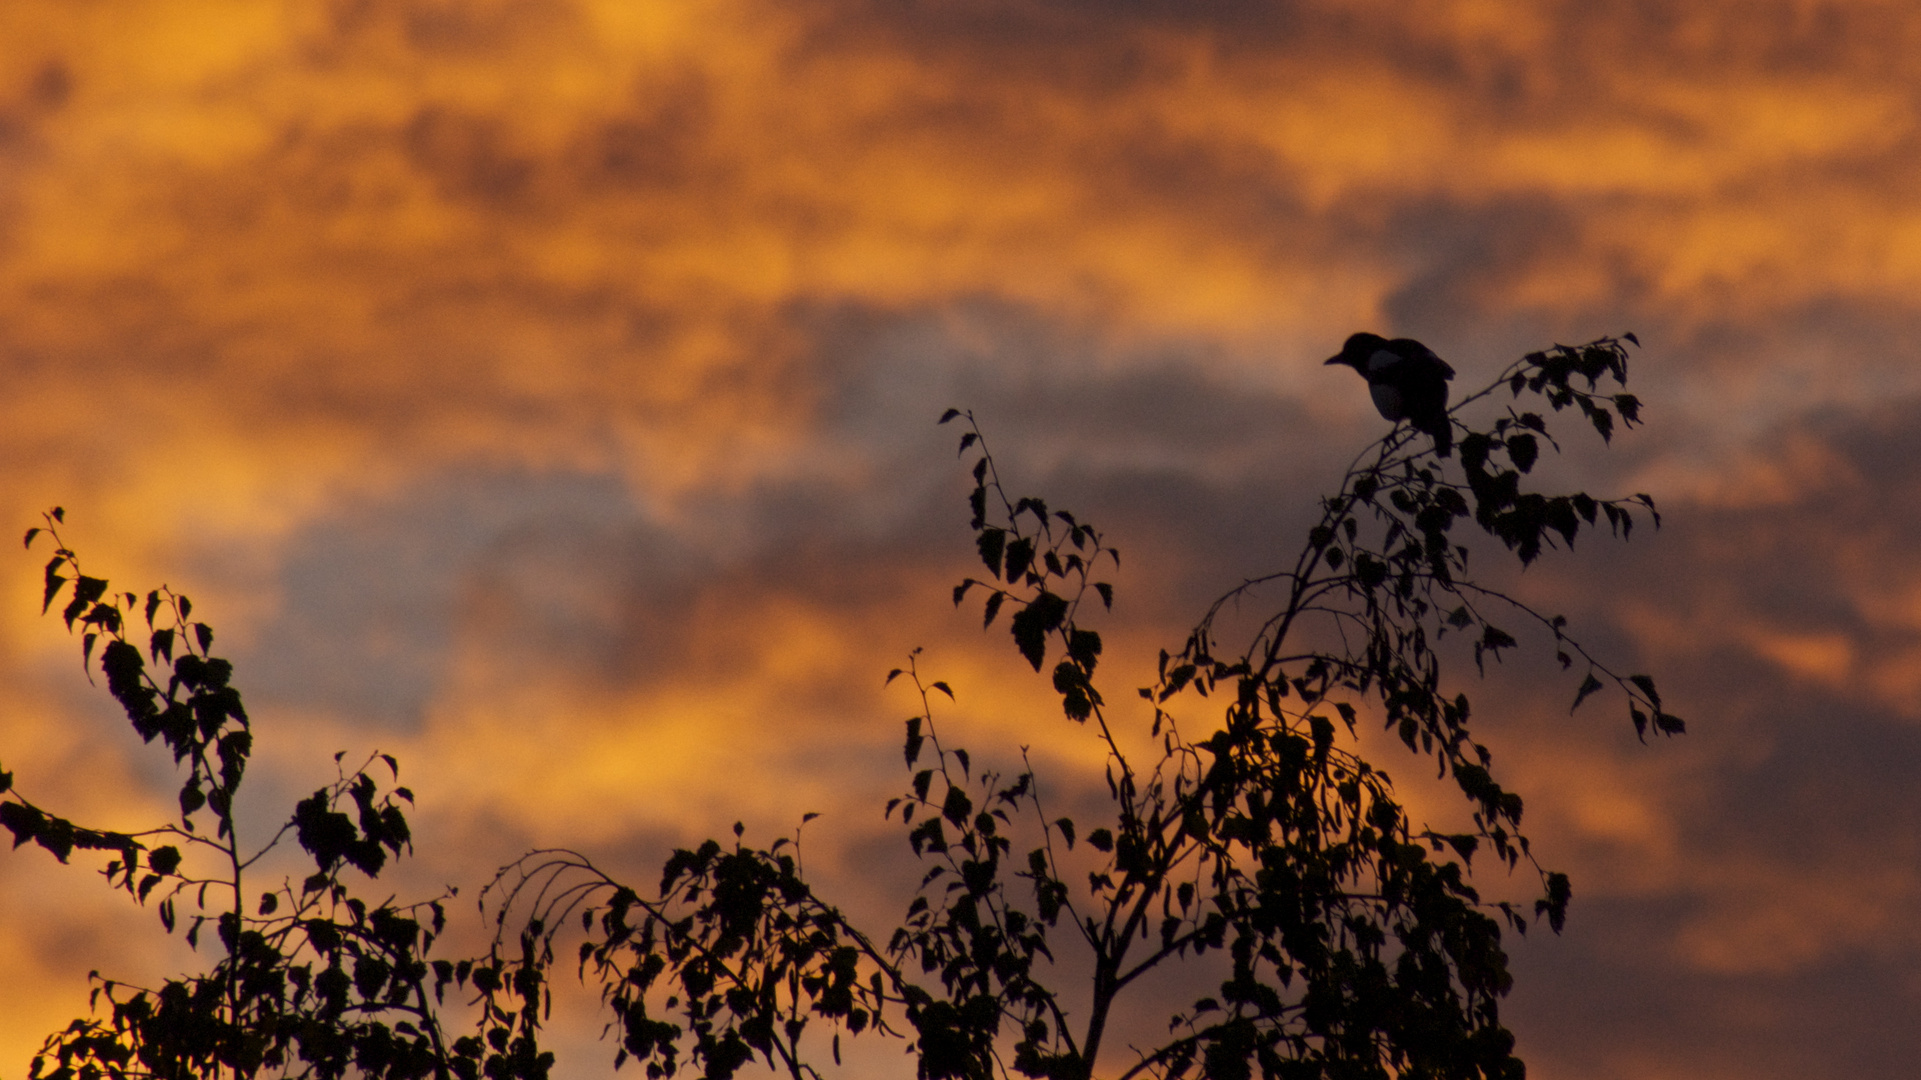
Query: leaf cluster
[308,979]
[1043,562]
[731,958]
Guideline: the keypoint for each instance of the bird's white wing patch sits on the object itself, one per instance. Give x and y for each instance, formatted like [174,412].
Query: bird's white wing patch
[1381,361]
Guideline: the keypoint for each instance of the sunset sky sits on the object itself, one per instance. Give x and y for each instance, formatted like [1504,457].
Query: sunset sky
[543,391]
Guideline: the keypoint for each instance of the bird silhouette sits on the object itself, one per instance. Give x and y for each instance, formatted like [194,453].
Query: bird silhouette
[1407,382]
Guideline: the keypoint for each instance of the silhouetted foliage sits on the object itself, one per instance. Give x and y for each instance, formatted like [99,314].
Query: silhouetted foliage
[1253,843]
[1350,940]
[310,979]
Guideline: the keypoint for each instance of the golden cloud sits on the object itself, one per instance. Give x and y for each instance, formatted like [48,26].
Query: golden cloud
[260,265]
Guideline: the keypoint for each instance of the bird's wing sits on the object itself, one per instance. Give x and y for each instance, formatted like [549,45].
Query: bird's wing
[1410,349]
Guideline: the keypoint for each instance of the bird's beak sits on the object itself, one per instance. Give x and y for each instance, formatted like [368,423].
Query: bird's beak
[1335,359]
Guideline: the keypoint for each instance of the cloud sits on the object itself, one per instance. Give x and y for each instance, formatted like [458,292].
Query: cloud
[551,383]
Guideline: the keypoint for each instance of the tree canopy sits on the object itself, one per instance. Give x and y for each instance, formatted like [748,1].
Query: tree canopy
[1253,844]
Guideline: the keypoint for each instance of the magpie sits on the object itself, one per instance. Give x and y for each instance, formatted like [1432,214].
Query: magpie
[1407,382]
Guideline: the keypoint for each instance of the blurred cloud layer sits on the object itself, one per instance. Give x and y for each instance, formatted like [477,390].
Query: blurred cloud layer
[542,390]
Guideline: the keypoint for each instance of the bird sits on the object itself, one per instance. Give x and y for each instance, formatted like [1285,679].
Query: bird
[1407,382]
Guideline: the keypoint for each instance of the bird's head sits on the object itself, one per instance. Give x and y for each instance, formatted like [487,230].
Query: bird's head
[1357,350]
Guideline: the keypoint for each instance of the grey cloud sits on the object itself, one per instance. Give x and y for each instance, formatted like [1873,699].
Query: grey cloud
[464,358]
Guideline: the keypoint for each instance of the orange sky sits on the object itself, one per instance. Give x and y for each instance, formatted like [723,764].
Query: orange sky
[542,390]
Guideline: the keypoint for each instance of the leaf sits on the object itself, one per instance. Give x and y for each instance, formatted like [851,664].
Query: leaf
[1648,501]
[1554,906]
[1629,407]
[914,741]
[31,533]
[948,415]
[1020,559]
[1084,646]
[1032,624]
[1523,451]
[993,608]
[1560,516]
[957,806]
[1588,686]
[1107,594]
[56,834]
[1603,422]
[54,582]
[1371,572]
[1078,696]
[21,820]
[1646,685]
[992,542]
[943,688]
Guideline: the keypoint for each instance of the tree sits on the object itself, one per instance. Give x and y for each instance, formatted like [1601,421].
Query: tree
[1343,938]
[312,979]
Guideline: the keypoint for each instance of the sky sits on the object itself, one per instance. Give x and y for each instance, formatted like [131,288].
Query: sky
[543,391]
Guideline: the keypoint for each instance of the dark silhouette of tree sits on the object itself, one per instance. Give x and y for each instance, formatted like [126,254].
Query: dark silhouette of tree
[311,979]
[1253,844]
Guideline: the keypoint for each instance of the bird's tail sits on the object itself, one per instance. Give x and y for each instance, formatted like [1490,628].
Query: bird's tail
[1443,433]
